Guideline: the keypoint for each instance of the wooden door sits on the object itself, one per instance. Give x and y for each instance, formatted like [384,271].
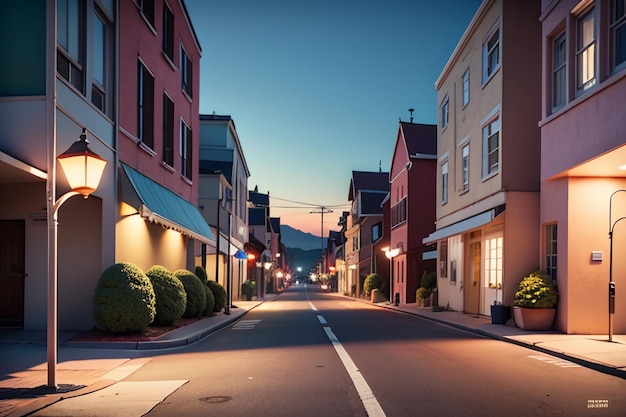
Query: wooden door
[12,273]
[471,286]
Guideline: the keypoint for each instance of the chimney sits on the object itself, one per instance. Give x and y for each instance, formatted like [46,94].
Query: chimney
[411,110]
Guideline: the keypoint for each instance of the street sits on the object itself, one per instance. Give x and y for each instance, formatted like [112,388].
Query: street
[309,353]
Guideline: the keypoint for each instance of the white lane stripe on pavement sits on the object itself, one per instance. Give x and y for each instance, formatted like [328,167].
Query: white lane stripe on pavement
[321,319]
[372,407]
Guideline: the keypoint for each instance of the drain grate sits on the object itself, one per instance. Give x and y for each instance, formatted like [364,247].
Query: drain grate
[216,399]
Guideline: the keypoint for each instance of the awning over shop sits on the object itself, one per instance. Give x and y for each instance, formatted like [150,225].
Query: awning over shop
[461,227]
[159,205]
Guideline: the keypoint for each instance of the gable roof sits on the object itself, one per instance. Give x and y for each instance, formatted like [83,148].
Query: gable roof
[367,181]
[372,202]
[420,139]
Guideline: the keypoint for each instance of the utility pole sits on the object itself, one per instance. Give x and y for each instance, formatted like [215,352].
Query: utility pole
[321,210]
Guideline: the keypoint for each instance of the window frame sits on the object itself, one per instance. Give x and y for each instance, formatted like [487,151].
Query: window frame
[169,121]
[488,122]
[72,68]
[551,250]
[487,51]
[559,85]
[168,33]
[186,71]
[102,88]
[185,147]
[146,8]
[465,83]
[465,166]
[445,178]
[445,112]
[617,24]
[145,105]
[398,213]
[582,49]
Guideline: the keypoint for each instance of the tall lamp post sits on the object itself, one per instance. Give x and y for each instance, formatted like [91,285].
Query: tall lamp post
[83,169]
[611,282]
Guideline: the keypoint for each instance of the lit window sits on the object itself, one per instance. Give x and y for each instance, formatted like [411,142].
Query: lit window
[559,72]
[618,32]
[493,262]
[466,87]
[585,52]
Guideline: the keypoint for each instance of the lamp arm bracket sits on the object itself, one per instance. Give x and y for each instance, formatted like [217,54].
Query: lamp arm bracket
[57,204]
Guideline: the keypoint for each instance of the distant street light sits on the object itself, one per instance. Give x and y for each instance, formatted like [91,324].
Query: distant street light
[390,254]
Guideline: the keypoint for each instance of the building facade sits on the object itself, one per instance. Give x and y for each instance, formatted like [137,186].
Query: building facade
[583,152]
[488,151]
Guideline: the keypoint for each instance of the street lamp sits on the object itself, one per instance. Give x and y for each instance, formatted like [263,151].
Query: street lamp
[83,169]
[390,254]
[611,282]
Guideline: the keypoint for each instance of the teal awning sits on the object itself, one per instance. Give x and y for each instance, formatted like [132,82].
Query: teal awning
[159,205]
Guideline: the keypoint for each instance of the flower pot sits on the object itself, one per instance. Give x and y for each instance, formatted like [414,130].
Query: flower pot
[499,314]
[534,318]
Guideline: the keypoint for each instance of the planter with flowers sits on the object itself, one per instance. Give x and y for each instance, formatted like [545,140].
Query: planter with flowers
[534,305]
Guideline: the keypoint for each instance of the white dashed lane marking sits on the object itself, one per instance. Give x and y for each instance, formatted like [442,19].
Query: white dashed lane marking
[245,324]
[554,361]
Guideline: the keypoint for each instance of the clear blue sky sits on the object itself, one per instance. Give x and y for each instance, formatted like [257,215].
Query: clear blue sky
[316,88]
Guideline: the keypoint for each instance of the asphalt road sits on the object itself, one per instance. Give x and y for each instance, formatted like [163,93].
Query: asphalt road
[308,353]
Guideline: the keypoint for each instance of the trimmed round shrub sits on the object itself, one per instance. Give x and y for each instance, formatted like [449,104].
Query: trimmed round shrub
[171,298]
[196,292]
[124,299]
[201,273]
[219,293]
[210,301]
[372,282]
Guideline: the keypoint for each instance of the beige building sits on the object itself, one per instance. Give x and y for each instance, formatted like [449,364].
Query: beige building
[487,208]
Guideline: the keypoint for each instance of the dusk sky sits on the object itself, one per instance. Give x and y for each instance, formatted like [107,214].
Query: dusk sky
[316,88]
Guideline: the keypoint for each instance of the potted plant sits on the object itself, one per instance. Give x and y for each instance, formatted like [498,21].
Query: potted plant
[534,305]
[248,288]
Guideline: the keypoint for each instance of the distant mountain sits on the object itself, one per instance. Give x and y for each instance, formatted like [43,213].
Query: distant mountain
[305,259]
[294,238]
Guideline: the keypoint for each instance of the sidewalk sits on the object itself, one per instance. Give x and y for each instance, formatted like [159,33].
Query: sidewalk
[85,367]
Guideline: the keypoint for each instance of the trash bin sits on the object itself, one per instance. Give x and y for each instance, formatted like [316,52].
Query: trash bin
[500,314]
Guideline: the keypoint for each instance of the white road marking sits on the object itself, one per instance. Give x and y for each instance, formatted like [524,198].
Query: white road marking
[245,324]
[321,319]
[372,407]
[554,361]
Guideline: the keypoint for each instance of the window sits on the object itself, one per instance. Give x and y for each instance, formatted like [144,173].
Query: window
[445,110]
[443,259]
[466,90]
[444,182]
[185,150]
[186,71]
[145,106]
[168,131]
[102,51]
[491,147]
[71,42]
[168,32]
[493,262]
[559,72]
[398,213]
[491,54]
[585,52]
[465,167]
[551,250]
[147,10]
[618,32]
[377,231]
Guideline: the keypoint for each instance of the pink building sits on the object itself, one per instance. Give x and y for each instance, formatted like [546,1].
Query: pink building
[583,153]
[413,178]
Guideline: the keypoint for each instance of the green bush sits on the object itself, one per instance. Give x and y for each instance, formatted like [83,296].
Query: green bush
[248,288]
[422,293]
[124,299]
[201,273]
[372,282]
[196,292]
[210,301]
[219,293]
[536,291]
[429,280]
[171,298]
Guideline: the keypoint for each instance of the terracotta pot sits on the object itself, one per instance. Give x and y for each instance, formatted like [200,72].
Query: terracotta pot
[534,318]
